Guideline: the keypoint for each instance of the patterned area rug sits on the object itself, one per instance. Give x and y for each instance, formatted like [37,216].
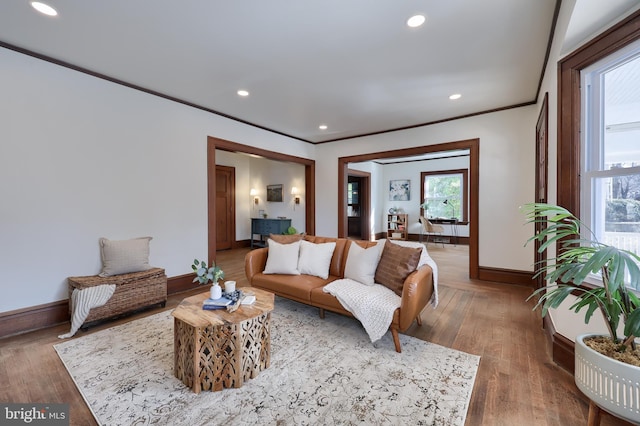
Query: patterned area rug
[322,372]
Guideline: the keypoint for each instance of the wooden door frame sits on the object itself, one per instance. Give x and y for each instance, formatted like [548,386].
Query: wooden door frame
[225,145]
[365,202]
[542,179]
[473,145]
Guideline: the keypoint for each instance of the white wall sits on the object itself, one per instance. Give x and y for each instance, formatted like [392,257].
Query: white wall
[258,173]
[507,155]
[82,158]
[268,172]
[411,171]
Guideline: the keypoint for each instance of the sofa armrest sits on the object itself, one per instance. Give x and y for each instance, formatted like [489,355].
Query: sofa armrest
[255,262]
[416,293]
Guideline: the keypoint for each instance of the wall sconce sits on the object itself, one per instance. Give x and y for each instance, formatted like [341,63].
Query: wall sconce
[296,195]
[254,194]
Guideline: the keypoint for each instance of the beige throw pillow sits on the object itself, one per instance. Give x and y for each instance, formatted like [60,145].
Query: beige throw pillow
[124,256]
[361,263]
[315,259]
[282,258]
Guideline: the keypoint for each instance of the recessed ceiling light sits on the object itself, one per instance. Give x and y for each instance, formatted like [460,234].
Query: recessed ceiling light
[455,96]
[44,8]
[322,127]
[243,93]
[416,21]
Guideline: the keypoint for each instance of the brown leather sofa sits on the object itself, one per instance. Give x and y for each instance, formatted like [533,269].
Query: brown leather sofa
[307,289]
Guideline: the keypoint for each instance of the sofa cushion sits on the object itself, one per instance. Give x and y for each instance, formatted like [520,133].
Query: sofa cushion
[286,239]
[362,263]
[296,287]
[282,258]
[124,256]
[396,263]
[315,259]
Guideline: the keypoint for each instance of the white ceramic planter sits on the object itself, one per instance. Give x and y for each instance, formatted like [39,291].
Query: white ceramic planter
[613,385]
[215,291]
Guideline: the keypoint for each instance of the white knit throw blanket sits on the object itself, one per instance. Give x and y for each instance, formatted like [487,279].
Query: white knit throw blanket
[372,305]
[82,301]
[434,269]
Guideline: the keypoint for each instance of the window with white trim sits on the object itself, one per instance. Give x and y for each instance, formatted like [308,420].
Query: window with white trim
[610,154]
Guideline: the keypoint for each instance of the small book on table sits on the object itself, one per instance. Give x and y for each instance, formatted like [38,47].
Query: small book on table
[212,304]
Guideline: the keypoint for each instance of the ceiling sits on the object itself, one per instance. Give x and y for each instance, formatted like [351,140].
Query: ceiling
[354,66]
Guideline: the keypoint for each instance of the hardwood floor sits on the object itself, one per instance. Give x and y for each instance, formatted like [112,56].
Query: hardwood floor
[517,382]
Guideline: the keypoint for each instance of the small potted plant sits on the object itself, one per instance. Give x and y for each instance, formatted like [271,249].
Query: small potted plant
[205,274]
[599,359]
[290,231]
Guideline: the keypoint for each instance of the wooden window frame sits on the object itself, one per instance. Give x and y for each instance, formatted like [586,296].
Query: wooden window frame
[465,190]
[569,104]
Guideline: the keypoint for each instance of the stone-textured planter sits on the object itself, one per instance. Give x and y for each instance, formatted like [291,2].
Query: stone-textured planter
[612,385]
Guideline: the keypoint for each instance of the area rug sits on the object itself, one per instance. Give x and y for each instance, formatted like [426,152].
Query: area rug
[323,371]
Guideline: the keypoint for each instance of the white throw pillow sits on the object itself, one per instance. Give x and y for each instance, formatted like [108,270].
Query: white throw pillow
[124,256]
[315,259]
[282,258]
[362,263]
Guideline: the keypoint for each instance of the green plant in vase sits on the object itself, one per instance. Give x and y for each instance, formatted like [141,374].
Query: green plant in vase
[290,231]
[206,274]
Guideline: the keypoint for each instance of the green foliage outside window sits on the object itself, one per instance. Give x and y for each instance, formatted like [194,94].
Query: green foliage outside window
[439,189]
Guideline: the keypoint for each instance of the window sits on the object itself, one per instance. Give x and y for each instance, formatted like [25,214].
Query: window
[444,194]
[610,148]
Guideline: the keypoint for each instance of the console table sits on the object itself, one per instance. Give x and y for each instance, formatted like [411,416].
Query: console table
[264,227]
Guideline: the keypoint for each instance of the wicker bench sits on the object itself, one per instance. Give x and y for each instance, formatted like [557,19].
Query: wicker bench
[133,292]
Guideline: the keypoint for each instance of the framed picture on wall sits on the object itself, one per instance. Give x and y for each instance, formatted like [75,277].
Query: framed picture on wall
[400,190]
[274,193]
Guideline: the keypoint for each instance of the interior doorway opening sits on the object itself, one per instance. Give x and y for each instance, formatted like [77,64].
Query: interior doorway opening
[358,205]
[473,147]
[214,144]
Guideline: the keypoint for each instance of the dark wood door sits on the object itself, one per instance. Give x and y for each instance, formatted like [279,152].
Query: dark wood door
[225,207]
[358,221]
[354,227]
[542,149]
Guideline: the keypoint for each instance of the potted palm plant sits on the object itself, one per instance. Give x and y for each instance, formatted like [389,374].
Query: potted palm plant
[607,368]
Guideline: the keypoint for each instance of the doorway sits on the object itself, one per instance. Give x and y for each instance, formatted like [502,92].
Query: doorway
[473,145]
[225,207]
[358,204]
[225,145]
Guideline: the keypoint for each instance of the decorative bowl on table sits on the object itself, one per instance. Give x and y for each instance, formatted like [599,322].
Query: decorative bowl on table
[234,296]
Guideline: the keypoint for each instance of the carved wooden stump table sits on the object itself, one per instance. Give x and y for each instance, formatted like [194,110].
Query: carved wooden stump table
[214,350]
